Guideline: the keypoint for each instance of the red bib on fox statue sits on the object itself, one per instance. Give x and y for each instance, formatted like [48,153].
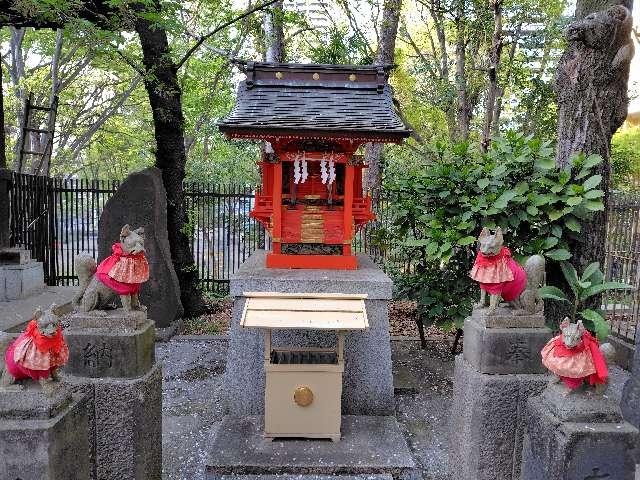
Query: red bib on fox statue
[584,362]
[122,272]
[34,355]
[499,274]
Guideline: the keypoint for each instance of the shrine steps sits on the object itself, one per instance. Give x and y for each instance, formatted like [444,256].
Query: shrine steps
[372,447]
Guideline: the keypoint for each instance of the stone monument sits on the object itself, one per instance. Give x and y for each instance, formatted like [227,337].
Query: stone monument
[575,431]
[142,200]
[112,361]
[44,428]
[500,367]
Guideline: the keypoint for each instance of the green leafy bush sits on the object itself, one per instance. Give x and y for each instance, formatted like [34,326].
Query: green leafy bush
[438,210]
[590,283]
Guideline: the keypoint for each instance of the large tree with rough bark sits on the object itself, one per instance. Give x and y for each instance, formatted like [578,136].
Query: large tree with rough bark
[591,87]
[160,73]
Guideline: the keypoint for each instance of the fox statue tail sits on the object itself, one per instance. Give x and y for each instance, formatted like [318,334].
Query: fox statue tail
[86,267]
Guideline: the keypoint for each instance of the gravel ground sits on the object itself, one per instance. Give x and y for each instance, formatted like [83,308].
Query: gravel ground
[192,408]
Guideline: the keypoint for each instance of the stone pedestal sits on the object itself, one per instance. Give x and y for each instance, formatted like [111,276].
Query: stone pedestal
[367,381]
[630,404]
[371,448]
[20,277]
[499,370]
[577,436]
[112,360]
[44,437]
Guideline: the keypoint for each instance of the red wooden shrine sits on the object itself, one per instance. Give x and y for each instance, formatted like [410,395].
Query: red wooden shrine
[314,118]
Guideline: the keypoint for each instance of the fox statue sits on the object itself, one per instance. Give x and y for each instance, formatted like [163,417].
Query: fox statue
[501,276]
[120,274]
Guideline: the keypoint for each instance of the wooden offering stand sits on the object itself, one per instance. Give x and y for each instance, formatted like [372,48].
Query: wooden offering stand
[303,385]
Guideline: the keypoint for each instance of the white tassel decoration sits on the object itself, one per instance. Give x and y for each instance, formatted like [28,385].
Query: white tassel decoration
[323,169]
[305,171]
[332,172]
[296,170]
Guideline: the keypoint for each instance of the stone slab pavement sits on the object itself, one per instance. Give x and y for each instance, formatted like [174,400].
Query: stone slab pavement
[15,312]
[192,410]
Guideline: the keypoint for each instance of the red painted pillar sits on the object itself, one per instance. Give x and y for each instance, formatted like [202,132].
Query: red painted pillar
[276,232]
[348,205]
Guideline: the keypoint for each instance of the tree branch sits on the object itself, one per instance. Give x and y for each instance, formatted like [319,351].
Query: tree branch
[203,38]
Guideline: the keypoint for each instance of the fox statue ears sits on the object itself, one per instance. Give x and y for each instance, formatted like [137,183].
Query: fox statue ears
[486,232]
[565,323]
[126,230]
[581,328]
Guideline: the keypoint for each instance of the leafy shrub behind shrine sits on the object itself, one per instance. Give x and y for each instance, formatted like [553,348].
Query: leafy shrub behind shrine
[437,210]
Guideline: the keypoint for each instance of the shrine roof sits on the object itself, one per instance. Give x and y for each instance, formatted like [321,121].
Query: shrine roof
[315,101]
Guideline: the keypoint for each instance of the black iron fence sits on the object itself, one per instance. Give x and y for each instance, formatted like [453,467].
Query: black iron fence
[57,219]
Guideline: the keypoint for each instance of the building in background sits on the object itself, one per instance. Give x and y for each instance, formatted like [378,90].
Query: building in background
[314,10]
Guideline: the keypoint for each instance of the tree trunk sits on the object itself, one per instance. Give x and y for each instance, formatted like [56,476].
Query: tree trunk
[492,92]
[463,108]
[163,89]
[273,25]
[385,56]
[591,86]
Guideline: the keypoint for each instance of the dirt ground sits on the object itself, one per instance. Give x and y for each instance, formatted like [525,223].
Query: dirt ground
[402,321]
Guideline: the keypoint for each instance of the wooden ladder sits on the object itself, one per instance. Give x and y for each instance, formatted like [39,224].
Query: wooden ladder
[28,129]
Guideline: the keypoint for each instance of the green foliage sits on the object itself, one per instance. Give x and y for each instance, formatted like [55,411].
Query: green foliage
[587,285]
[438,209]
[337,46]
[625,159]
[443,293]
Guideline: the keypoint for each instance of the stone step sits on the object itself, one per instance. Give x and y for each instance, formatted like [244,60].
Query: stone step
[303,477]
[371,447]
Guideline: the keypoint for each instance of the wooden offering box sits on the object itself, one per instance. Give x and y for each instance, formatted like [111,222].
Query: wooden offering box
[314,118]
[303,386]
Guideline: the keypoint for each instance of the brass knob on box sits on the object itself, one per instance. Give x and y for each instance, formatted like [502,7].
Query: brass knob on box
[303,396]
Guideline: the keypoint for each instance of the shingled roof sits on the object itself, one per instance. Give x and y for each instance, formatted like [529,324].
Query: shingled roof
[307,100]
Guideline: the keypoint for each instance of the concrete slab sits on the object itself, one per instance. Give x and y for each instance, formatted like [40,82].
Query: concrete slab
[254,276]
[18,312]
[369,445]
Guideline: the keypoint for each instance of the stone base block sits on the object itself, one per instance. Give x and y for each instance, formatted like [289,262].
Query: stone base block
[20,281]
[367,382]
[577,437]
[117,345]
[44,438]
[488,421]
[126,425]
[503,350]
[507,317]
[14,256]
[369,446]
